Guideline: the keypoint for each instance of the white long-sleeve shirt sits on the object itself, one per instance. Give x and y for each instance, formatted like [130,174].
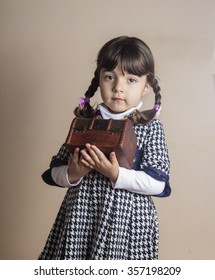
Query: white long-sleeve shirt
[131,180]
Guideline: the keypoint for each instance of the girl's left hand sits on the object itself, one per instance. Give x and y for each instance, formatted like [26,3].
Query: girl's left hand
[95,159]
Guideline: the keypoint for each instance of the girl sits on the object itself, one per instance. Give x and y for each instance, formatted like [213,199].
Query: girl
[108,211]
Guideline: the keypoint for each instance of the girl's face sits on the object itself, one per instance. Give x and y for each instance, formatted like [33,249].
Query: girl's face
[121,91]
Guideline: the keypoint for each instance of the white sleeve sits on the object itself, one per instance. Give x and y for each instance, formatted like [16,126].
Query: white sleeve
[138,182]
[60,176]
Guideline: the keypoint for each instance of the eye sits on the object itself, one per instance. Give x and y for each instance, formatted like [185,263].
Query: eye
[132,80]
[108,77]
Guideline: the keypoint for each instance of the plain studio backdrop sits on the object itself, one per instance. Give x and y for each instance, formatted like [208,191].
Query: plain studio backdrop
[48,50]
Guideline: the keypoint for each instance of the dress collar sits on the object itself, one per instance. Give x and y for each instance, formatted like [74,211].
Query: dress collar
[106,114]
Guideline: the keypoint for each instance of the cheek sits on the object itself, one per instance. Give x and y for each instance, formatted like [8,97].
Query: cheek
[103,94]
[105,90]
[102,87]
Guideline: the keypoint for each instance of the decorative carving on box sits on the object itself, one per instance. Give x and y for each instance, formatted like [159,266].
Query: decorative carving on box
[108,135]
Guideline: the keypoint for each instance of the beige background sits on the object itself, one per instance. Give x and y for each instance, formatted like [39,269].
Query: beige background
[48,50]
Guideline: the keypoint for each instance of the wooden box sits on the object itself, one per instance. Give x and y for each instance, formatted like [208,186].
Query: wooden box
[108,135]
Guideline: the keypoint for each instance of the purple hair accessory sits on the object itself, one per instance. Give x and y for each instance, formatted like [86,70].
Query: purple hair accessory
[83,101]
[98,113]
[157,107]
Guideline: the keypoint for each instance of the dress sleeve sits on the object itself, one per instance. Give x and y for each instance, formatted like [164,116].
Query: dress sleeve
[60,159]
[154,155]
[155,151]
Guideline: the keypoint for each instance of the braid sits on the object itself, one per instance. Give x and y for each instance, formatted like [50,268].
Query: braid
[88,111]
[145,117]
[93,86]
[156,88]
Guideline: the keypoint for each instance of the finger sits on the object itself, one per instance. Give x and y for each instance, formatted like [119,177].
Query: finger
[97,152]
[86,163]
[75,156]
[85,157]
[93,154]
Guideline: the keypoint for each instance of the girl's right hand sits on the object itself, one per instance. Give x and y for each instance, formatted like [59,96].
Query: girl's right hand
[76,169]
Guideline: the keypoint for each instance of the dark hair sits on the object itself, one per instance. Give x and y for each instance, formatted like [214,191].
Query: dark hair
[134,57]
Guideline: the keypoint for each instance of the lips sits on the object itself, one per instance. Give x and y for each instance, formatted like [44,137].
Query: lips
[117,99]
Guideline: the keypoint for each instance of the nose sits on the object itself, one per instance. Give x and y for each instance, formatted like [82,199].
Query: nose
[118,86]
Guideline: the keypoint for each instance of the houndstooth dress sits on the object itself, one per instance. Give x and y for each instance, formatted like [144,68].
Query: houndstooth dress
[97,222]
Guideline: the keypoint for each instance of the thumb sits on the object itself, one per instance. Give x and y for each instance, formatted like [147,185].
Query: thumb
[113,158]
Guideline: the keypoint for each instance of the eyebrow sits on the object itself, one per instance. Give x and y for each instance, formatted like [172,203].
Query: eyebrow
[103,70]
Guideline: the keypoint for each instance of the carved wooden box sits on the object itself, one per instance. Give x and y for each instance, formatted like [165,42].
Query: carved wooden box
[108,135]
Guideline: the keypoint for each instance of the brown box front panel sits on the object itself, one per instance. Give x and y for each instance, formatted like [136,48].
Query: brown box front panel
[107,135]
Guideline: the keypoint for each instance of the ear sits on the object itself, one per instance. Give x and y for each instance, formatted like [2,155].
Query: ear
[146,89]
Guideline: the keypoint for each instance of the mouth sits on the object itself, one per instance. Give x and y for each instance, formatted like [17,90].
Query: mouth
[117,99]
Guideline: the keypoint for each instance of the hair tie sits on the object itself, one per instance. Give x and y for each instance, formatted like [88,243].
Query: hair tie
[83,101]
[157,107]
